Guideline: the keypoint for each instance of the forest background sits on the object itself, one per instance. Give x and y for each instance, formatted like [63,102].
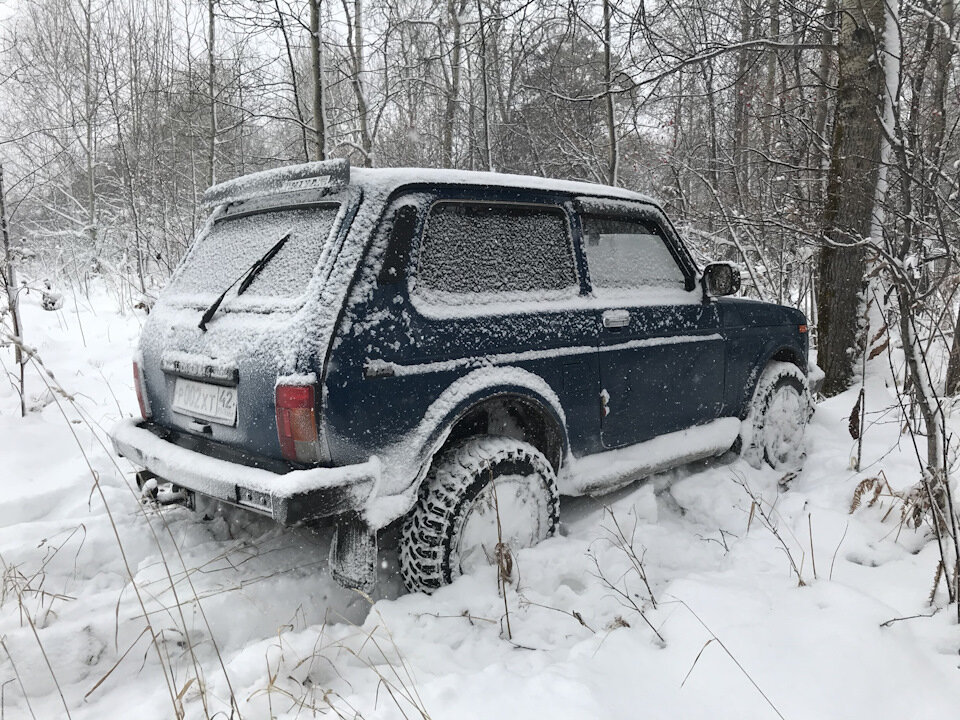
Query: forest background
[814,143]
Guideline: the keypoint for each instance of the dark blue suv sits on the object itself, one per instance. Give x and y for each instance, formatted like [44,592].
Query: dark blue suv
[451,350]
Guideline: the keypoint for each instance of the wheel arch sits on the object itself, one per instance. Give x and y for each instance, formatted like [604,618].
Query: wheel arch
[516,414]
[788,354]
[772,353]
[516,402]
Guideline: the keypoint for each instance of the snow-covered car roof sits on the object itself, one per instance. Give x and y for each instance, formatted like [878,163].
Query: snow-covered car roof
[318,175]
[396,177]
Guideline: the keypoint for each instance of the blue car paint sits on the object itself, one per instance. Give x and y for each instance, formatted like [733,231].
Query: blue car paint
[366,414]
[657,389]
[654,388]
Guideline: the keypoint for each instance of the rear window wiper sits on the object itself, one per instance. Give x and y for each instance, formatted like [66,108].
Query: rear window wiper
[245,280]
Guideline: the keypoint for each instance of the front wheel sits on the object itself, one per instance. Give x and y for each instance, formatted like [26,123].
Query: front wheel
[481,492]
[773,430]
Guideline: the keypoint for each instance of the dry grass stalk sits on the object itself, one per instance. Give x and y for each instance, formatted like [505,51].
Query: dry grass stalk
[569,613]
[915,502]
[386,662]
[56,393]
[813,557]
[503,559]
[16,674]
[36,636]
[718,641]
[621,587]
[765,518]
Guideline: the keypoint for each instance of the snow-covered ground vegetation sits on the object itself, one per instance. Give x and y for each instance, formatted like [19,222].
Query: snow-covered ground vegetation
[713,591]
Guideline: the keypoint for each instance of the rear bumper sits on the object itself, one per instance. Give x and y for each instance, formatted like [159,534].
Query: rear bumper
[289,498]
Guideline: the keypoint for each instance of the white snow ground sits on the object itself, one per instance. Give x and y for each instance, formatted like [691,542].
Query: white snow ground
[240,604]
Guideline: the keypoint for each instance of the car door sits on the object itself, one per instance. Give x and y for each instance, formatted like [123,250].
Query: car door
[661,354]
[482,279]
[497,284]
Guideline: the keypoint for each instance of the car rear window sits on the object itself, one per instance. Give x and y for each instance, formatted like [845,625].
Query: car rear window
[233,245]
[485,249]
[628,253]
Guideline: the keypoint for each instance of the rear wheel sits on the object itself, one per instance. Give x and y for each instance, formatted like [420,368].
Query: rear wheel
[773,431]
[481,492]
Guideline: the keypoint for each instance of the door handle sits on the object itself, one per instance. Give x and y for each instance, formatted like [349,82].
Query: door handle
[616,318]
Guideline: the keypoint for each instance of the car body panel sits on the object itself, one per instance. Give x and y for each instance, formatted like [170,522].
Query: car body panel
[396,372]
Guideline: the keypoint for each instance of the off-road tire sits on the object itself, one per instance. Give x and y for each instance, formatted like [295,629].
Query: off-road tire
[430,533]
[778,379]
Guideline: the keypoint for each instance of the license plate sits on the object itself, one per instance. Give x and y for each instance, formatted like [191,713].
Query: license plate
[210,402]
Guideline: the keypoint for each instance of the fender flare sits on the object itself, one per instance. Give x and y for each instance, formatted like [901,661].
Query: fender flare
[771,352]
[454,403]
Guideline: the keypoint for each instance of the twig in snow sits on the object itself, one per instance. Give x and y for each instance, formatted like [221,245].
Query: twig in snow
[837,550]
[756,510]
[714,638]
[891,621]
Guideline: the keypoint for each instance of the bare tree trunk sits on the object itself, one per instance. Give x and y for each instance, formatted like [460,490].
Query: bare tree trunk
[293,70]
[355,46]
[741,100]
[768,124]
[851,188]
[953,366]
[211,90]
[10,282]
[713,159]
[454,9]
[613,158]
[91,138]
[818,150]
[316,67]
[937,131]
[485,86]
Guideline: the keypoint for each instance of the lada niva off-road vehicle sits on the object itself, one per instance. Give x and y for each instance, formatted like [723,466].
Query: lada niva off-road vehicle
[448,350]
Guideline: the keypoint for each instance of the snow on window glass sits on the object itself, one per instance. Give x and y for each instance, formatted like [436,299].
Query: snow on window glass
[491,248]
[235,244]
[627,253]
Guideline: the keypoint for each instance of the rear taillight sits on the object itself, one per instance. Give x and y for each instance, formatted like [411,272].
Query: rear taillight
[297,423]
[141,388]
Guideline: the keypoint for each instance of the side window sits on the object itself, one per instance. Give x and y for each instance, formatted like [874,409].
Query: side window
[626,253]
[479,249]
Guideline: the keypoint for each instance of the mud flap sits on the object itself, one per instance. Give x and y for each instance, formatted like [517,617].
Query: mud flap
[353,553]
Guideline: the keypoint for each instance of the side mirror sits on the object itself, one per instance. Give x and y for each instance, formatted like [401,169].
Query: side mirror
[720,278]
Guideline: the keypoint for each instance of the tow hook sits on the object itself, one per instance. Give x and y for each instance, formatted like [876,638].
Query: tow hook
[162,492]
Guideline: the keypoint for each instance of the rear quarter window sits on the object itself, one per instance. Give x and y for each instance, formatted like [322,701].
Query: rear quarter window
[477,252]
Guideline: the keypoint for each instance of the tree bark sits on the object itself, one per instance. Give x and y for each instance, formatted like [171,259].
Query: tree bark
[316,66]
[211,90]
[937,132]
[10,283]
[485,87]
[613,153]
[355,47]
[294,84]
[851,189]
[89,110]
[454,10]
[953,366]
